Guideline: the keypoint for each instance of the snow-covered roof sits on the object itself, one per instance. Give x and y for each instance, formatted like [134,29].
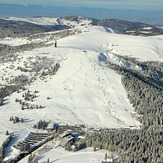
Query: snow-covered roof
[50,125]
[67,132]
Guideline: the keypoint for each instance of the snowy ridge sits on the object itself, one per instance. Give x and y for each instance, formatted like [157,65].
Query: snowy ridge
[37,20]
[79,22]
[120,26]
[52,21]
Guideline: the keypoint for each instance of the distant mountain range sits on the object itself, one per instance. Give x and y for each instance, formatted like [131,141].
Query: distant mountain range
[11,28]
[17,27]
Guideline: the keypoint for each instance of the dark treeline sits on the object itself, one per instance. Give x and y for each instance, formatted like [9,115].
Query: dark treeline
[7,52]
[5,144]
[7,90]
[11,28]
[15,84]
[134,146]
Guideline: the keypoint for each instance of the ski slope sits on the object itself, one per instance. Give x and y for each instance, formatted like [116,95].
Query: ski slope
[84,90]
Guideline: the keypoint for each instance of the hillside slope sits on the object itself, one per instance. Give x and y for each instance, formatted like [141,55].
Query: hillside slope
[12,28]
[83,90]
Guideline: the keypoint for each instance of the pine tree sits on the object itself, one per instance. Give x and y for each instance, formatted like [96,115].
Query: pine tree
[1,101]
[22,107]
[94,148]
[7,132]
[105,156]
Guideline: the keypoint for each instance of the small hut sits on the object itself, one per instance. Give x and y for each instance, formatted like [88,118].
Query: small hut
[52,127]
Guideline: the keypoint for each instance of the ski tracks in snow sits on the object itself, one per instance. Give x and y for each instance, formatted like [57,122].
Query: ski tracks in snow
[105,85]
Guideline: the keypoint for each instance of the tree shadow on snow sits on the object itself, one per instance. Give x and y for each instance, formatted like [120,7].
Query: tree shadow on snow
[8,149]
[55,160]
[27,120]
[102,57]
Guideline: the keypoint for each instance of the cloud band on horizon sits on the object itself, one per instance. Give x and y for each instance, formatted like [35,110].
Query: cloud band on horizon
[108,4]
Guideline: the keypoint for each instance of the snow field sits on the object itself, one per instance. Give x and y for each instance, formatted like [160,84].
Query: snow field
[59,155]
[84,90]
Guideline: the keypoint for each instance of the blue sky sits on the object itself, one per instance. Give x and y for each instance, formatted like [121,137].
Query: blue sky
[149,11]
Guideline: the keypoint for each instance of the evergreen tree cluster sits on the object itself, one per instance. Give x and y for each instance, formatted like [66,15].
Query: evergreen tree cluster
[56,35]
[5,144]
[130,145]
[40,125]
[25,147]
[147,100]
[75,146]
[109,156]
[51,71]
[26,105]
[20,80]
[16,119]
[146,144]
[7,90]
[28,97]
[7,52]
[1,101]
[31,159]
[153,71]
[22,69]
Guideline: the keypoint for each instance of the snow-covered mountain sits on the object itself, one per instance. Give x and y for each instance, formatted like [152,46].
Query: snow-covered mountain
[82,89]
[51,23]
[54,21]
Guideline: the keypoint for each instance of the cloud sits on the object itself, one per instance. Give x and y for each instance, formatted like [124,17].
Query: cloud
[146,16]
[110,4]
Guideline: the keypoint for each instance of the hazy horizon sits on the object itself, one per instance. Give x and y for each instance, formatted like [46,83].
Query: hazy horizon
[148,11]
